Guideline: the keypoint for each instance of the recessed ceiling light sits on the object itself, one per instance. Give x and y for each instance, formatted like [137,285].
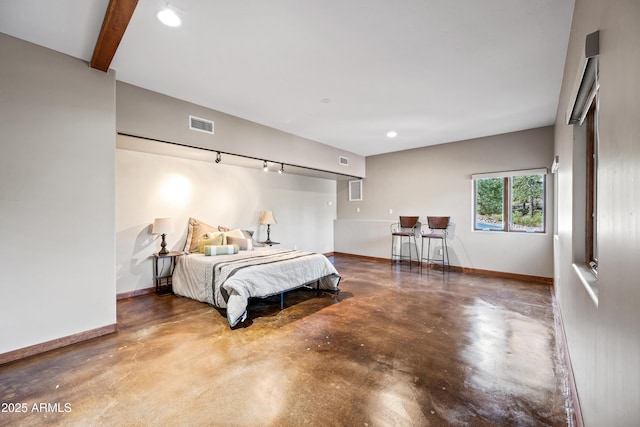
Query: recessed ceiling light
[325,100]
[169,17]
[392,134]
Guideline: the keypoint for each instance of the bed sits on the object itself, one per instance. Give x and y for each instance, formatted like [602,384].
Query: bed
[229,281]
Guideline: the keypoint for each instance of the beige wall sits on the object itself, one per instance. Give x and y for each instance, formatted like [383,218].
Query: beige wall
[57,132]
[152,185]
[436,180]
[144,113]
[604,343]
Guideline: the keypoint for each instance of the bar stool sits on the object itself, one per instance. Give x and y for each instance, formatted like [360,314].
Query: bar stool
[406,227]
[437,230]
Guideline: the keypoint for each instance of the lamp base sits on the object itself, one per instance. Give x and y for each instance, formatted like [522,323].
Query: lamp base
[268,241]
[164,250]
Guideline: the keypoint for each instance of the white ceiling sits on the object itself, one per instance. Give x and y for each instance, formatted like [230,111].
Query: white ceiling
[341,72]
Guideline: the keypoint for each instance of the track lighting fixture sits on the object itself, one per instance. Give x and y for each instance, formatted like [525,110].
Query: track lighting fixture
[281,168]
[264,166]
[218,157]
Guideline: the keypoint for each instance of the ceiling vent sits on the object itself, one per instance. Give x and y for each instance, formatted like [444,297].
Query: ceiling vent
[344,161]
[201,125]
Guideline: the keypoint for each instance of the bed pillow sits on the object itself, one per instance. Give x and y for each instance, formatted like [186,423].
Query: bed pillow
[229,233]
[234,233]
[248,234]
[210,240]
[243,244]
[196,230]
[213,234]
[220,250]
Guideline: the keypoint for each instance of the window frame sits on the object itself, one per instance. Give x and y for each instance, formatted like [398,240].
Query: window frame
[507,199]
[591,191]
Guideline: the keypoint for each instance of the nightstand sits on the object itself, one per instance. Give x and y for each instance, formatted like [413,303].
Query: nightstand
[164,283]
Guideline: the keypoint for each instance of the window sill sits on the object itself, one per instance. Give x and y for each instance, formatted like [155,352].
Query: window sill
[589,281]
[513,233]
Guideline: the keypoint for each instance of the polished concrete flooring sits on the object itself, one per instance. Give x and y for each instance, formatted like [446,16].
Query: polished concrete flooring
[396,349]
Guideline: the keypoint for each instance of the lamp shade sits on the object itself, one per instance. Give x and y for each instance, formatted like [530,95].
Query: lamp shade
[162,226]
[267,218]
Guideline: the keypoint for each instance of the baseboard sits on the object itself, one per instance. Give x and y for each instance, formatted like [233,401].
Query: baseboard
[505,275]
[490,273]
[72,339]
[563,349]
[368,258]
[32,350]
[135,293]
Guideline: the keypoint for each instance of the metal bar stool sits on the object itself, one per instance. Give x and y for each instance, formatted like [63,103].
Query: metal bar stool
[437,229]
[406,227]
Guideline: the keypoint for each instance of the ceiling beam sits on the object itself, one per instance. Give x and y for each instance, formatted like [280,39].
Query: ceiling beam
[115,23]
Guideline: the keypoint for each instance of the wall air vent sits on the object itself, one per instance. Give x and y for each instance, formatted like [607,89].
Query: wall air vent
[344,161]
[201,125]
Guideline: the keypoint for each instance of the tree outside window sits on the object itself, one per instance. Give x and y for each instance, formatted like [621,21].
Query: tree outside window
[489,204]
[510,203]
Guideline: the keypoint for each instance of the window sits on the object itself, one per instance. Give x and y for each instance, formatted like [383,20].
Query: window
[583,114]
[591,211]
[510,201]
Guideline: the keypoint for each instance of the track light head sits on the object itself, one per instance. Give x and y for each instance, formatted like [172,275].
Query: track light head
[281,168]
[218,157]
[265,167]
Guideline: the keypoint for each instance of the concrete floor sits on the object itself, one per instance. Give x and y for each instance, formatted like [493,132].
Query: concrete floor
[396,349]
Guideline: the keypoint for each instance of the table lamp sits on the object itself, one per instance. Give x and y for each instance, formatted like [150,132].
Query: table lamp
[267,218]
[162,226]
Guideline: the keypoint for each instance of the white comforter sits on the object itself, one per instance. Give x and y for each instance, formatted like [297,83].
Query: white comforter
[228,281]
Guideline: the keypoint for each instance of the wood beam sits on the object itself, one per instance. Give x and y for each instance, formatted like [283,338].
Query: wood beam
[114,25]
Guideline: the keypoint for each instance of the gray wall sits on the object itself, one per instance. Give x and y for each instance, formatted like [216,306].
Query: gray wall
[57,133]
[144,113]
[436,180]
[603,339]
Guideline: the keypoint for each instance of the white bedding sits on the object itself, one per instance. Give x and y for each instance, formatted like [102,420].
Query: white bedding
[228,281]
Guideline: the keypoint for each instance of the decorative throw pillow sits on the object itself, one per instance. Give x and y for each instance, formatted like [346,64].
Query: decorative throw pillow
[212,234]
[234,233]
[220,250]
[214,240]
[196,230]
[247,234]
[243,244]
